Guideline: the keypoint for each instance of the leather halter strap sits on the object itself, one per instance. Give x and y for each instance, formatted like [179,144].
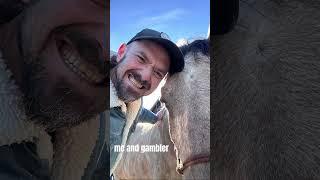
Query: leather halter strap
[198,159]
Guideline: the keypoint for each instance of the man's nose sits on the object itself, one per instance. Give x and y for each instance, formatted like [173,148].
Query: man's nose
[146,74]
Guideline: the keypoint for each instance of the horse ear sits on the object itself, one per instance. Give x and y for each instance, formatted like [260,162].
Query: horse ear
[225,15]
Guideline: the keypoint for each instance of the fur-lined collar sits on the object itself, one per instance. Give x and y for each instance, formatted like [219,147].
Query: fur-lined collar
[14,126]
[114,99]
[131,111]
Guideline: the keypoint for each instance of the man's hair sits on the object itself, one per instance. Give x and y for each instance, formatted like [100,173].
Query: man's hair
[113,61]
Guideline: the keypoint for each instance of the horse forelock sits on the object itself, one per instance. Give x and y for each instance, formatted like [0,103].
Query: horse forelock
[197,46]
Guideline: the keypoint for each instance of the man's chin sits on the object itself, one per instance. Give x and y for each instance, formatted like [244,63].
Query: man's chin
[128,100]
[56,116]
[126,93]
[128,96]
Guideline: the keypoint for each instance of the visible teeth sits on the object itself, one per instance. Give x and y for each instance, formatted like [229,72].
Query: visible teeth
[68,55]
[89,73]
[66,51]
[136,83]
[75,62]
[72,60]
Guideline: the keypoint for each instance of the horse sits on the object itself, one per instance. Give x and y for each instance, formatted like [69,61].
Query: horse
[266,90]
[187,97]
[187,137]
[149,165]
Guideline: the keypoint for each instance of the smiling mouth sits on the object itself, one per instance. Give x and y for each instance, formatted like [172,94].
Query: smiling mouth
[136,83]
[76,64]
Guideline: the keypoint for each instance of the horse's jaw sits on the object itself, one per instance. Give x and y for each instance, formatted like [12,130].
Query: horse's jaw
[191,144]
[198,171]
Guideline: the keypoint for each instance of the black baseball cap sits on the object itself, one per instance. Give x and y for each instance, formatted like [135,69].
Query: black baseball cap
[176,57]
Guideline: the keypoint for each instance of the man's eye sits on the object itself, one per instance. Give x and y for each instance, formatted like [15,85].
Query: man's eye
[158,74]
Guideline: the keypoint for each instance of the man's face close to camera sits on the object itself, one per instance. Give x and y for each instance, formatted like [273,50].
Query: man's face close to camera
[64,50]
[141,67]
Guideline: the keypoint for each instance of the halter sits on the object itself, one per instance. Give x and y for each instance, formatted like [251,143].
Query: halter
[193,160]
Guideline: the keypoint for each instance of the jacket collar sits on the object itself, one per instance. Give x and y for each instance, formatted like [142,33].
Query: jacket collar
[114,99]
[131,110]
[14,126]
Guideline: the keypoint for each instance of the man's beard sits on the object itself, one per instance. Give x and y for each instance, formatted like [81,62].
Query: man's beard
[52,109]
[125,94]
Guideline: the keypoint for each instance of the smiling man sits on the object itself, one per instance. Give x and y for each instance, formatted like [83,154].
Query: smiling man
[53,84]
[136,71]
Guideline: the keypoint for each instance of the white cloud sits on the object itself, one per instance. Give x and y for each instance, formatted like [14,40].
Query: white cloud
[161,19]
[181,42]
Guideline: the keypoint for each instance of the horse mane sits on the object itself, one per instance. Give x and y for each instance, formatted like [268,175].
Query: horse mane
[197,46]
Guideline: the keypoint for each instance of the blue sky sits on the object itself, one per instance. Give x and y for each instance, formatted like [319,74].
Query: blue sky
[178,18]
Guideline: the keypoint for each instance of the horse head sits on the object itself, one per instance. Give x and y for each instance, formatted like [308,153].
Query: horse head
[187,98]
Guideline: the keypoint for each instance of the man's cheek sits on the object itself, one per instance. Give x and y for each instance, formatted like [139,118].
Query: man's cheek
[149,91]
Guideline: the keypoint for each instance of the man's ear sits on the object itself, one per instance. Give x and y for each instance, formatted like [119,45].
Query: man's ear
[121,51]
